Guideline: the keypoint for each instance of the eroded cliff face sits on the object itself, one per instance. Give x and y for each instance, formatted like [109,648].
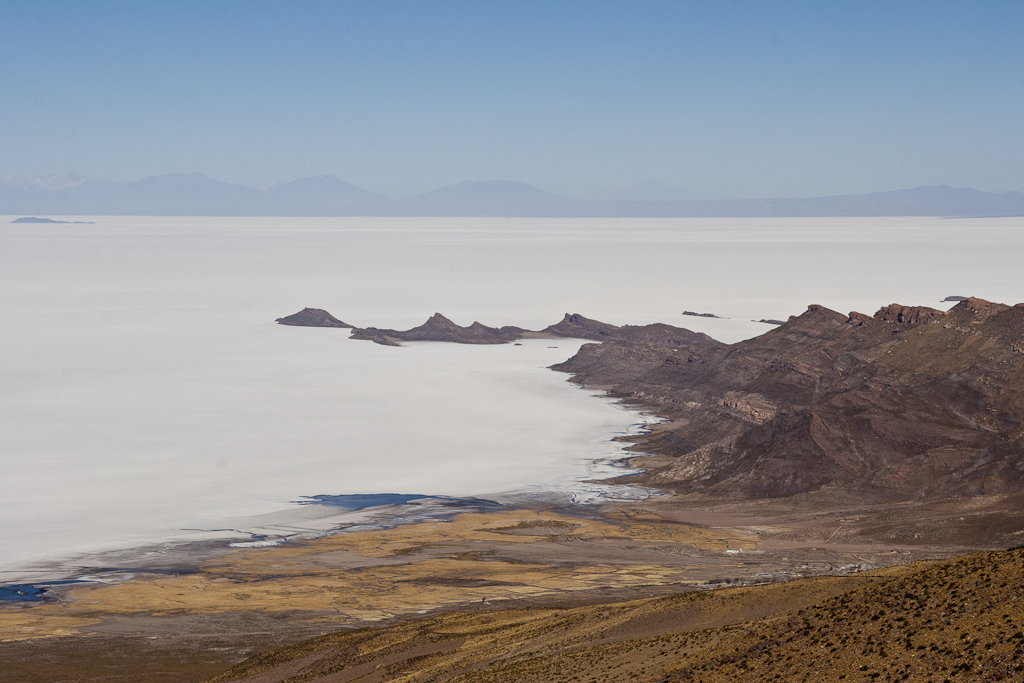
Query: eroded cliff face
[911,403]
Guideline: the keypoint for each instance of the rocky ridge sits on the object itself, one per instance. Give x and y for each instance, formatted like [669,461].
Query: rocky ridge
[572,326]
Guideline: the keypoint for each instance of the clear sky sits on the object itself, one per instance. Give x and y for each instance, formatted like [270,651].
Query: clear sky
[745,99]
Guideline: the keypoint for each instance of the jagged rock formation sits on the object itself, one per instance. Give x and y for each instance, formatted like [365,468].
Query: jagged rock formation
[312,317]
[440,328]
[911,403]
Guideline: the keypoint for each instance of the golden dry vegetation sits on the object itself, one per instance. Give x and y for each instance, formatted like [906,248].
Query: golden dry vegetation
[375,575]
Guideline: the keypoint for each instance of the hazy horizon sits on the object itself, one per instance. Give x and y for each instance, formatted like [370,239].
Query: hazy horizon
[734,99]
[611,193]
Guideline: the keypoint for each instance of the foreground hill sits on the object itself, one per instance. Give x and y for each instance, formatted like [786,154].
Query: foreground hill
[912,403]
[956,620]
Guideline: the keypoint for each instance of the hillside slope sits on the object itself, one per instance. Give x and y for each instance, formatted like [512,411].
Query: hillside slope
[956,620]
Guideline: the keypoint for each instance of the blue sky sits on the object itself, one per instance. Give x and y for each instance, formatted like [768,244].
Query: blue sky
[745,99]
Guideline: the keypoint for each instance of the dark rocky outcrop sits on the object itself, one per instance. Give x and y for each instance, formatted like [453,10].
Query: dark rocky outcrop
[909,403]
[912,315]
[576,326]
[313,317]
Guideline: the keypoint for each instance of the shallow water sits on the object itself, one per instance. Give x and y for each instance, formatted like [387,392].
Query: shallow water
[148,395]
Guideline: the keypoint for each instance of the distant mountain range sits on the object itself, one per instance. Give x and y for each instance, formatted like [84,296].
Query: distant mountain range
[181,194]
[194,194]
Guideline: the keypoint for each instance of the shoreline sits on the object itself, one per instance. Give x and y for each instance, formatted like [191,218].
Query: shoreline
[312,518]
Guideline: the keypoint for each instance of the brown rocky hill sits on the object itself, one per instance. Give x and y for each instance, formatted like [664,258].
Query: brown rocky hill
[952,620]
[911,403]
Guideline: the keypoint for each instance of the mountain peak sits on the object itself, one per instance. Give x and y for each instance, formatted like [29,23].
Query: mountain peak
[438,319]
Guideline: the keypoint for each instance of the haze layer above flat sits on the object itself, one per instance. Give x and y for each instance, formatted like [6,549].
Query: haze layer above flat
[585,99]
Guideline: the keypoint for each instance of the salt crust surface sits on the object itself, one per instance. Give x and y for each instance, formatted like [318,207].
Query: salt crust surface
[148,396]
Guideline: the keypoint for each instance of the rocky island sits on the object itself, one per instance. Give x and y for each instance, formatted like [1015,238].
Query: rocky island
[440,329]
[312,317]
